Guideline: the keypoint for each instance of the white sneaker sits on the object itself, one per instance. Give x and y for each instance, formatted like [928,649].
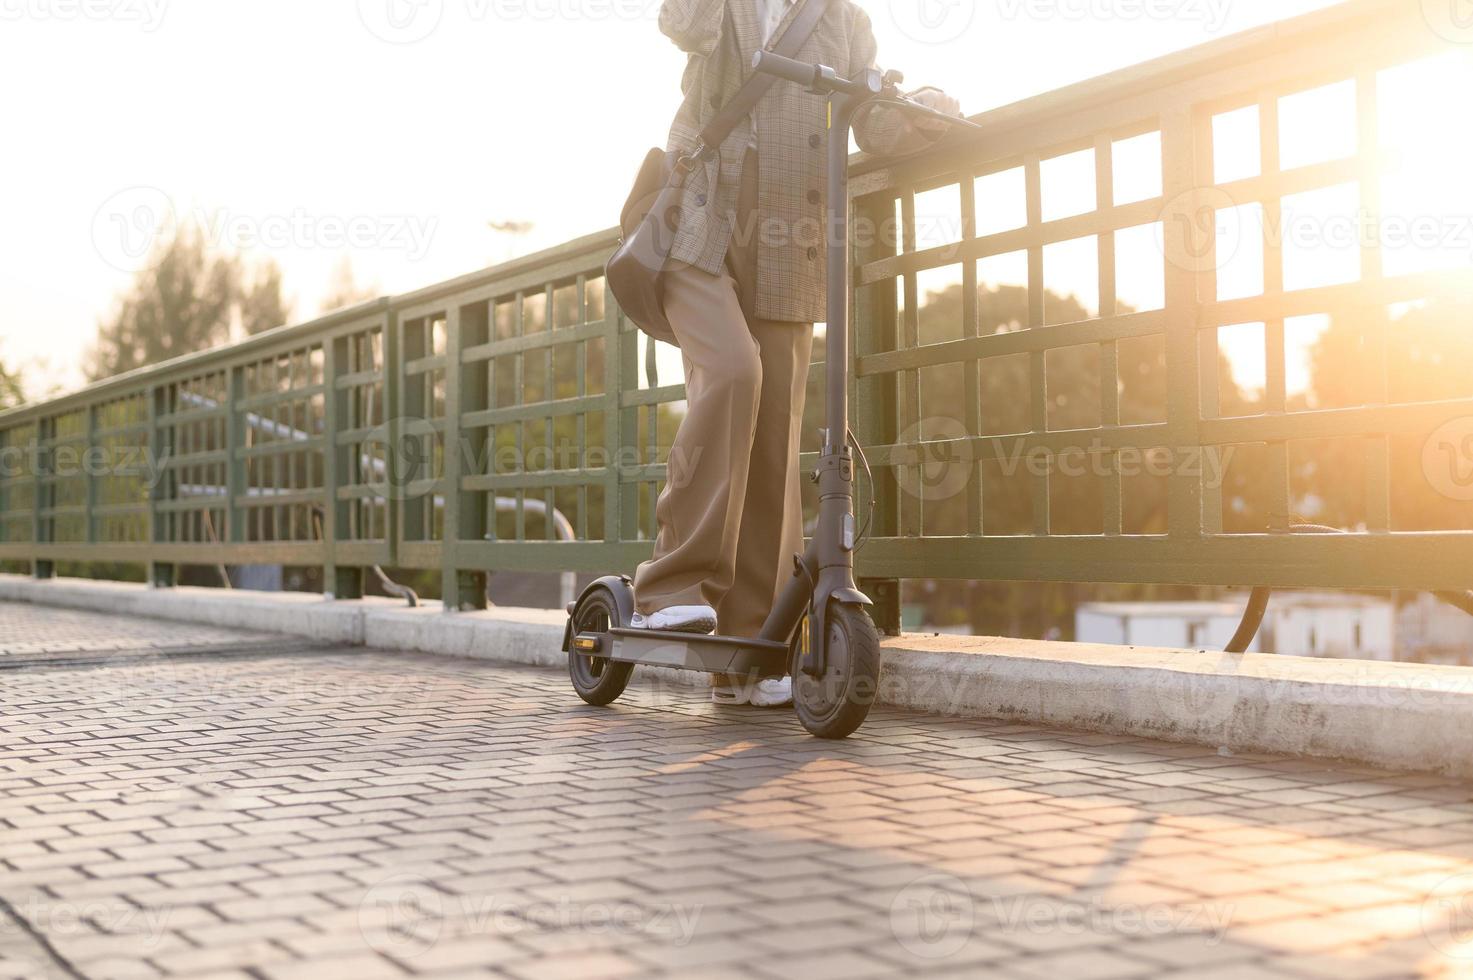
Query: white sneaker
[773,692]
[678,619]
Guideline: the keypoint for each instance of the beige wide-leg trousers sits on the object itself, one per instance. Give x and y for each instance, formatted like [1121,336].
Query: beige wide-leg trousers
[731,514]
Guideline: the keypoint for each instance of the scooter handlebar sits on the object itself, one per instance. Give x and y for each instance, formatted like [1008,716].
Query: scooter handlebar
[794,71]
[868,84]
[818,78]
[915,108]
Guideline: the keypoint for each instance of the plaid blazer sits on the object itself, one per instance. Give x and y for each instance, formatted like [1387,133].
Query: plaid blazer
[792,147]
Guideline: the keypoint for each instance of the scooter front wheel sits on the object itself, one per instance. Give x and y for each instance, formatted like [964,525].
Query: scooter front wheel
[837,703]
[598,680]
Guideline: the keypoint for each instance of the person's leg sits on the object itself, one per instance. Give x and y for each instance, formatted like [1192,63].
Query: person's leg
[699,513]
[772,522]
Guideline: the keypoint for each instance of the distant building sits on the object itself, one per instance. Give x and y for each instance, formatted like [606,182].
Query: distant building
[1430,631]
[1173,625]
[1298,624]
[1340,625]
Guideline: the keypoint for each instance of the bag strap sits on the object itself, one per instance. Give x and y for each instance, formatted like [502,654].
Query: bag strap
[754,88]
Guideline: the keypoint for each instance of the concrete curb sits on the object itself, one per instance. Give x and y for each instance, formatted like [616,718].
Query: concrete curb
[1398,716]
[297,614]
[1389,715]
[529,637]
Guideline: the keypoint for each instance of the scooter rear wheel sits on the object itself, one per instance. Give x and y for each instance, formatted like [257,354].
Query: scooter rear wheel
[836,704]
[598,680]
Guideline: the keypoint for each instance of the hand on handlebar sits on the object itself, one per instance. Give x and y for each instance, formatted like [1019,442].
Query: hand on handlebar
[934,98]
[931,112]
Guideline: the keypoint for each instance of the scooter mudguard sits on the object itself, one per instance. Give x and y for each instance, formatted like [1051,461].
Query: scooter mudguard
[814,661]
[621,587]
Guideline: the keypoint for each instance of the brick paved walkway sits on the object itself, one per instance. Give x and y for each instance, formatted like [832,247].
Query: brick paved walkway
[361,815]
[38,633]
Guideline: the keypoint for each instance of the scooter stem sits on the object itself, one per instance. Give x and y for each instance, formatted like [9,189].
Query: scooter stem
[837,339]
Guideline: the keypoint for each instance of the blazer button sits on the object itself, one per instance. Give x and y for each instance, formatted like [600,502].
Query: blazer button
[814,197]
[812,254]
[815,141]
[700,200]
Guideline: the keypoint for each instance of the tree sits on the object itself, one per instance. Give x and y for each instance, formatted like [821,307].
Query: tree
[262,305]
[12,392]
[1425,358]
[184,301]
[344,290]
[1007,500]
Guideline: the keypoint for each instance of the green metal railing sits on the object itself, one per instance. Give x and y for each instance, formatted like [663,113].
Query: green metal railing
[513,420]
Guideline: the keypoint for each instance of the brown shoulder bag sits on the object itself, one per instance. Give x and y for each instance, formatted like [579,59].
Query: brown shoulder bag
[651,217]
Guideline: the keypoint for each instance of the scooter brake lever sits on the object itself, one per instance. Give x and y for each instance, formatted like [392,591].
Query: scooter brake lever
[924,110]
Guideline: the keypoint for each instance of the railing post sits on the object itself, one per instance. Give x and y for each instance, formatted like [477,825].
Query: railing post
[6,475]
[874,398]
[41,523]
[338,581]
[1183,368]
[410,390]
[89,474]
[161,574]
[391,369]
[624,442]
[464,519]
[613,419]
[235,462]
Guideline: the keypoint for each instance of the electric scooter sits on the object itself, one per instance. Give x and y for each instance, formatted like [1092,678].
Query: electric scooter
[820,630]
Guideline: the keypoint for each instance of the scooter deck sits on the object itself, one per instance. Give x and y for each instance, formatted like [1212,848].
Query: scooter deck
[693,651]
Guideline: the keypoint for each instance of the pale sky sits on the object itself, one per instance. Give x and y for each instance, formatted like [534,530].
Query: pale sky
[298,121]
